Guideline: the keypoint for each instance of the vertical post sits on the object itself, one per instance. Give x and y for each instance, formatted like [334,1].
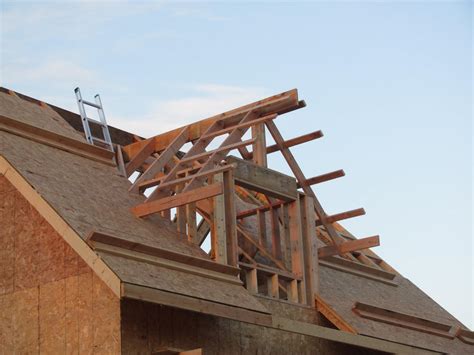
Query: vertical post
[180,214]
[262,228]
[276,240]
[296,242]
[272,286]
[285,235]
[230,218]
[310,248]
[251,281]
[218,228]
[259,147]
[191,220]
[224,229]
[292,291]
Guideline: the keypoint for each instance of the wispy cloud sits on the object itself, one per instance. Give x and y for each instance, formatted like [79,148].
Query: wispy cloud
[205,100]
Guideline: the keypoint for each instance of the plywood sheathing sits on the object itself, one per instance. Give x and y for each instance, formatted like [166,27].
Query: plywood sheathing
[89,195]
[146,327]
[50,300]
[33,114]
[341,290]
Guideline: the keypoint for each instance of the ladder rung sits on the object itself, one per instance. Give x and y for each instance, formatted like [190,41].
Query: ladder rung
[95,121]
[100,140]
[91,104]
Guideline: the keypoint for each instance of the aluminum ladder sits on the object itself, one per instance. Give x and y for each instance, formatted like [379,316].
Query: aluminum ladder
[106,141]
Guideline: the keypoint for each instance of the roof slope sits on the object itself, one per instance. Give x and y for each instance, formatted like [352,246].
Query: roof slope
[93,197]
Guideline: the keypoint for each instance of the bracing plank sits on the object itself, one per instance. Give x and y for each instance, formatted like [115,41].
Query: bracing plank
[180,199]
[296,141]
[343,215]
[333,316]
[290,159]
[322,178]
[162,160]
[140,157]
[349,246]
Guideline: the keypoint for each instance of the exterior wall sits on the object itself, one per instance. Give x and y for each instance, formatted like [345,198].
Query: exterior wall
[50,301]
[148,327]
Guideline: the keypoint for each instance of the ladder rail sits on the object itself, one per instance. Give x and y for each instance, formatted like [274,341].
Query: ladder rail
[85,120]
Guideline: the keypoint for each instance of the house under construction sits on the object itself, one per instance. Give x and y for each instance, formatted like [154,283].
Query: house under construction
[91,262]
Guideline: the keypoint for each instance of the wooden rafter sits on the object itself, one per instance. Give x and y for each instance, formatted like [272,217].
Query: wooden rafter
[300,177]
[349,246]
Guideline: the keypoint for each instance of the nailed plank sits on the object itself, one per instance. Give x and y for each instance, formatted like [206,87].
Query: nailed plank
[55,140]
[349,246]
[295,141]
[333,316]
[282,102]
[402,320]
[180,199]
[165,157]
[153,182]
[140,157]
[259,150]
[264,180]
[343,215]
[290,159]
[322,178]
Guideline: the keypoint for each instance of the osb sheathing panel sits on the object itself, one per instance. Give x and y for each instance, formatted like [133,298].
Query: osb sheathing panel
[136,272]
[33,114]
[147,327]
[50,300]
[341,290]
[90,195]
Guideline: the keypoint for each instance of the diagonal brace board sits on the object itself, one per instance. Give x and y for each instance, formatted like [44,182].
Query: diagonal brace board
[162,160]
[349,246]
[290,159]
[180,199]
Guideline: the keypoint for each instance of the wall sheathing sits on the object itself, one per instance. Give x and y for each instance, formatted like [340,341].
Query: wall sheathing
[50,300]
[148,327]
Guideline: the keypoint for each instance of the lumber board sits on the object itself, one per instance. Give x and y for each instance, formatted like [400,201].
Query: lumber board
[322,178]
[402,320]
[295,141]
[259,148]
[165,157]
[295,168]
[327,311]
[56,140]
[140,157]
[273,104]
[343,215]
[349,246]
[344,337]
[99,237]
[194,304]
[263,180]
[183,198]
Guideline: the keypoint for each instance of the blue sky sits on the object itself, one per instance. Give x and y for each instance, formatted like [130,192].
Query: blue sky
[389,83]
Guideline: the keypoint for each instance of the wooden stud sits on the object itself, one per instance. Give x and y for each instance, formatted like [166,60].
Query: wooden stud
[259,151]
[119,160]
[251,281]
[296,241]
[181,199]
[276,237]
[218,228]
[310,249]
[273,286]
[292,291]
[262,229]
[191,221]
